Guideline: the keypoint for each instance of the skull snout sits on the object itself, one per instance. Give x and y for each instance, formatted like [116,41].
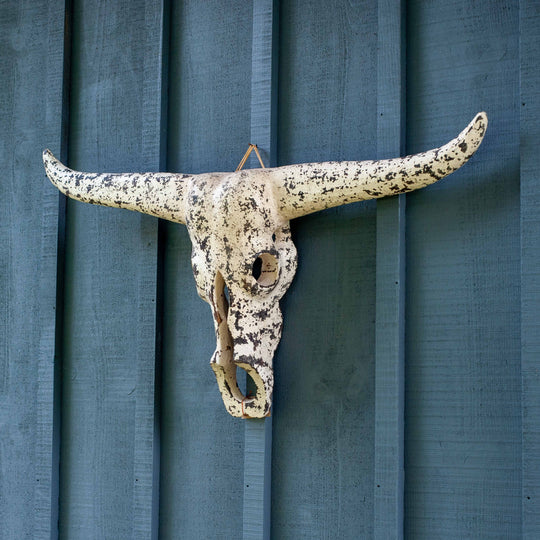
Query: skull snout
[247,334]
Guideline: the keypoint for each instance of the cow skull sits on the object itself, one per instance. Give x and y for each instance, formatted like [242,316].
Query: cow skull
[243,256]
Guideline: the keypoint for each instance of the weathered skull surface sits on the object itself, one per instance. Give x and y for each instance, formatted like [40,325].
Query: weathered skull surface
[242,243]
[243,256]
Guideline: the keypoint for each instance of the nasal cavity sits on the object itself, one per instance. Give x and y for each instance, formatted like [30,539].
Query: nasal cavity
[265,269]
[221,299]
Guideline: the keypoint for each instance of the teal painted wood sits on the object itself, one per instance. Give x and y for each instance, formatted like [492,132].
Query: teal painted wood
[257,479]
[390,284]
[107,487]
[529,25]
[31,41]
[153,154]
[258,433]
[323,421]
[202,465]
[463,384]
[50,389]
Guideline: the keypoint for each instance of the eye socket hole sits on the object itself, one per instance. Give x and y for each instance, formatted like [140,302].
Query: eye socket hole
[265,269]
[256,269]
[274,237]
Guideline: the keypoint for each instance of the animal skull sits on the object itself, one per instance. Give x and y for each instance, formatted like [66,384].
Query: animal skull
[243,256]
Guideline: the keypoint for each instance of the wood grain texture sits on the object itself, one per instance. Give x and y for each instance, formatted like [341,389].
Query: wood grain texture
[209,130]
[390,281]
[463,385]
[28,264]
[108,485]
[529,25]
[323,431]
[47,505]
[153,135]
[264,88]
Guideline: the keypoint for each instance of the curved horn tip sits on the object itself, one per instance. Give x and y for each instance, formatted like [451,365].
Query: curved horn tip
[482,119]
[48,157]
[482,115]
[476,129]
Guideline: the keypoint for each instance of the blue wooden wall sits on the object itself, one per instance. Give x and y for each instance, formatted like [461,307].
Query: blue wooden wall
[407,394]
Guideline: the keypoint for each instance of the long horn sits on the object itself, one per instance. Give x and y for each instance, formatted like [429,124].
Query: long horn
[158,194]
[306,188]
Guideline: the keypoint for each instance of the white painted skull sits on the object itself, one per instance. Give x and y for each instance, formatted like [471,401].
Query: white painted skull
[243,256]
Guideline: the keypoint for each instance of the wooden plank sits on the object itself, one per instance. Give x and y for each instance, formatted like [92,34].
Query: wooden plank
[31,67]
[390,287]
[209,129]
[147,408]
[108,481]
[258,433]
[257,479]
[463,382]
[50,376]
[529,25]
[323,421]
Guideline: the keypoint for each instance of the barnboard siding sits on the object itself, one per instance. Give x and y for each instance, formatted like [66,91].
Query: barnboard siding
[28,237]
[530,265]
[463,387]
[139,100]
[264,88]
[322,463]
[153,135]
[30,117]
[46,506]
[107,457]
[209,129]
[390,281]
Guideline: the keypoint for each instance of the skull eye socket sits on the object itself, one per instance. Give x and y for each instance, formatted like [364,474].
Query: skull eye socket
[265,269]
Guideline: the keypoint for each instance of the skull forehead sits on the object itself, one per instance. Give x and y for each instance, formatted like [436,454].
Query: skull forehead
[236,205]
[232,219]
[244,206]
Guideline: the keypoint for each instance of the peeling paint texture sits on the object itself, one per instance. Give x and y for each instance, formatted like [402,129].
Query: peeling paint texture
[243,255]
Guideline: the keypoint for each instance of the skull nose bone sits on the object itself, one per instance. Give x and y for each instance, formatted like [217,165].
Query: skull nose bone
[225,367]
[235,402]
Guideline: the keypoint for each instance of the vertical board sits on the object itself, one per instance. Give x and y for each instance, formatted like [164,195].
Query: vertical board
[153,137]
[258,432]
[31,67]
[530,263]
[47,504]
[463,386]
[209,130]
[390,286]
[107,483]
[323,431]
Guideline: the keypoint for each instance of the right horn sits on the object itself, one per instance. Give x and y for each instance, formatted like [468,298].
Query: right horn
[310,187]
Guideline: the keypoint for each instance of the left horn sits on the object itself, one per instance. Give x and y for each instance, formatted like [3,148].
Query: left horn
[158,194]
[310,187]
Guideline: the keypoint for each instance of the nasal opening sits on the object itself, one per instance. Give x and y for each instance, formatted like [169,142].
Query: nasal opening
[249,398]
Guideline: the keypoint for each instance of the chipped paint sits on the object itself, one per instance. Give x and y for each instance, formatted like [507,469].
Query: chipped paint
[243,256]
